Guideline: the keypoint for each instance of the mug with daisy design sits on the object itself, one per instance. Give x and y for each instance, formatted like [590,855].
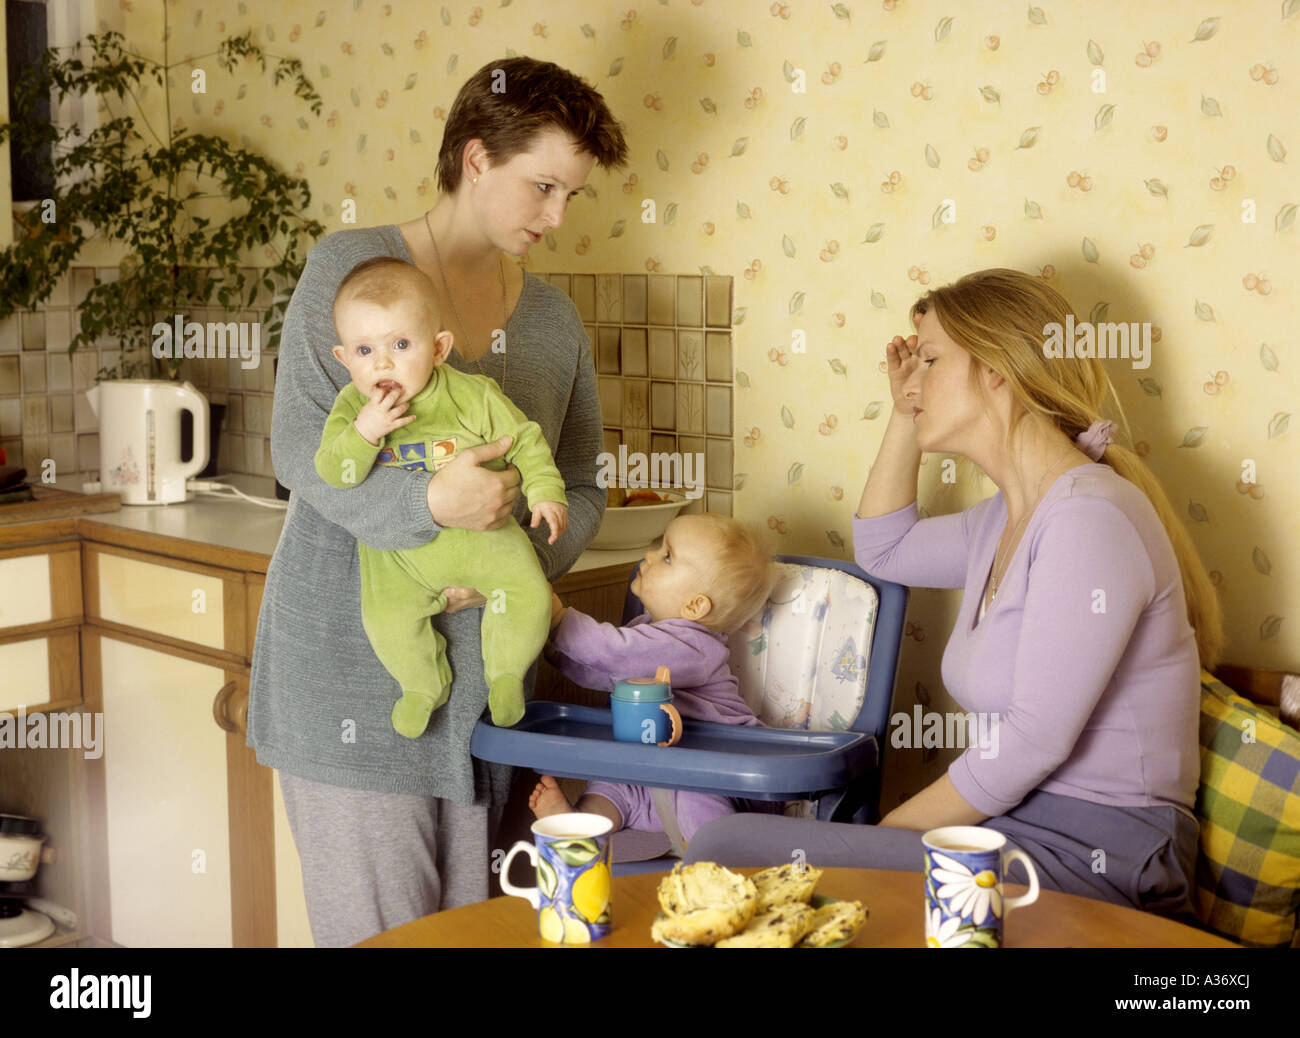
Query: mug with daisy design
[964,904]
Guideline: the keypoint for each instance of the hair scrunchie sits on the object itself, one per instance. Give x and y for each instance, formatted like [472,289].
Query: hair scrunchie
[1094,440]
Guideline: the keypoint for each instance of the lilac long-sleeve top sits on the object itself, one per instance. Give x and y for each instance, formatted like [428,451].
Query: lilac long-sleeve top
[595,655]
[1086,655]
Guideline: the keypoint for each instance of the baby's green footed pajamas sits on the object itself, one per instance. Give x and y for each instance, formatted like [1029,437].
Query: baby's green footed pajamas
[400,590]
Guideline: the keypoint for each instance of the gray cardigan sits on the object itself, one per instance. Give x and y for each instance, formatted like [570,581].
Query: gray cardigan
[320,701]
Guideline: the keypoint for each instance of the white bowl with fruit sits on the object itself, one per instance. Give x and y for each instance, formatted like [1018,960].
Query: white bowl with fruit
[636,518]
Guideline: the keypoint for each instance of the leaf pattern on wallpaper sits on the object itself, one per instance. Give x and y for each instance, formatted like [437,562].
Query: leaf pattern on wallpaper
[1057,155]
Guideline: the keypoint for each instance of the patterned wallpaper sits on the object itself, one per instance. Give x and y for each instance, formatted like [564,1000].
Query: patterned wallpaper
[836,159]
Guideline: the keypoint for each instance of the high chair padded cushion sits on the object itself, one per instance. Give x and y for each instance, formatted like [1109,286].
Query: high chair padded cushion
[800,663]
[1248,871]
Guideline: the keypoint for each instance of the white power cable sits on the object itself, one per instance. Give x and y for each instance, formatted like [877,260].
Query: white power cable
[217,489]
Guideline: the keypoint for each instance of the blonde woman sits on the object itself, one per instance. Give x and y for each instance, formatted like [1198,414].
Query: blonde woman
[1085,620]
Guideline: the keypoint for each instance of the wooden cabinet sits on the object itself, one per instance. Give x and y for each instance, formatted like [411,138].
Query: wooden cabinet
[40,614]
[172,835]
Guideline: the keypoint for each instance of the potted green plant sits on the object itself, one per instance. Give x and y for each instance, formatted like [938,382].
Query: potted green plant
[184,210]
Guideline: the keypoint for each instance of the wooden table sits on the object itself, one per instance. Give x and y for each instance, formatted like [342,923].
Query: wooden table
[894,900]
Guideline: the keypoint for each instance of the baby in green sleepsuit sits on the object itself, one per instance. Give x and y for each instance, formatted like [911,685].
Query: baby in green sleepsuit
[405,408]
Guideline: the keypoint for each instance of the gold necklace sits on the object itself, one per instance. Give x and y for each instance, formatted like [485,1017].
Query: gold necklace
[995,577]
[464,329]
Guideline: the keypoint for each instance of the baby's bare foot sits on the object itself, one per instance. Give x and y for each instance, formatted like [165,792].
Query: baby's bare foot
[548,799]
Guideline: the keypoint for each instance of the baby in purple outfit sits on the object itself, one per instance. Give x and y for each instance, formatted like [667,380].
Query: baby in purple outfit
[709,576]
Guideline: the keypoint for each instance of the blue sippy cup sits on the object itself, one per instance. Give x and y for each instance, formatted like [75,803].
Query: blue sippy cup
[644,712]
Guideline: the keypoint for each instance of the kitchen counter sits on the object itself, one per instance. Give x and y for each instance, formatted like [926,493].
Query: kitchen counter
[242,533]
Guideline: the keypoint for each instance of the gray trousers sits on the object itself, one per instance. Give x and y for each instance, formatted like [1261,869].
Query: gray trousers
[372,861]
[1141,857]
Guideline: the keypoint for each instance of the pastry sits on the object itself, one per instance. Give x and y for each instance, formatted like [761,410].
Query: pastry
[703,903]
[784,884]
[838,921]
[782,927]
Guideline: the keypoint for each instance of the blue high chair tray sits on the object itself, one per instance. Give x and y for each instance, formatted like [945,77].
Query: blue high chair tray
[571,741]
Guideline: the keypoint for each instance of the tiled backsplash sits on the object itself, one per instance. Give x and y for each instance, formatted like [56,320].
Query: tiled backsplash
[661,346]
[43,408]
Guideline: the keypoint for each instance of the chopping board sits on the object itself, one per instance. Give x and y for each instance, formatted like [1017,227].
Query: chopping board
[52,503]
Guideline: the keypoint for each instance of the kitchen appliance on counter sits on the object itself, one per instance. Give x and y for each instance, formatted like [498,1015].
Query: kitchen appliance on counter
[140,438]
[20,854]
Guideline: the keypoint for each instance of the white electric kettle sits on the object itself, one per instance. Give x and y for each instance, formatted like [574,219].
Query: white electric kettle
[140,438]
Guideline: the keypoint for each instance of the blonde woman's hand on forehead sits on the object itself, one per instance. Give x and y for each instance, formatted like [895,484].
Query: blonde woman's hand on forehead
[901,361]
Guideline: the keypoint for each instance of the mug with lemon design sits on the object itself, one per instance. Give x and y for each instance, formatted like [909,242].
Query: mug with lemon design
[571,855]
[964,904]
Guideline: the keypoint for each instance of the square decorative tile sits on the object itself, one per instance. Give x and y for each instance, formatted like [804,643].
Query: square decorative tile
[663,406]
[253,414]
[607,359]
[690,301]
[218,374]
[718,464]
[58,330]
[36,449]
[59,372]
[10,327]
[584,296]
[690,355]
[690,407]
[634,299]
[717,356]
[663,353]
[254,448]
[561,281]
[84,365]
[83,280]
[659,299]
[609,298]
[34,379]
[719,502]
[10,384]
[83,417]
[691,444]
[33,330]
[267,370]
[268,408]
[633,350]
[611,400]
[87,452]
[234,420]
[717,302]
[612,439]
[62,292]
[63,449]
[11,417]
[637,440]
[252,378]
[636,404]
[36,416]
[663,443]
[61,414]
[718,410]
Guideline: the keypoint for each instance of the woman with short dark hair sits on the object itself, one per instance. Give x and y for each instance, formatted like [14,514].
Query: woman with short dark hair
[390,829]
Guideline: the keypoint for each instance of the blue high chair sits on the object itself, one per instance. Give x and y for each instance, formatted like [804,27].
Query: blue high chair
[816,664]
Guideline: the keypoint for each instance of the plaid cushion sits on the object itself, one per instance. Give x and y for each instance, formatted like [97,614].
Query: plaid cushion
[1248,871]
